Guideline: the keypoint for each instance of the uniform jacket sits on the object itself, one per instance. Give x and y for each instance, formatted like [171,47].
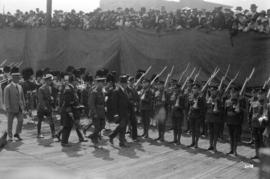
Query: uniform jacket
[97,103]
[45,98]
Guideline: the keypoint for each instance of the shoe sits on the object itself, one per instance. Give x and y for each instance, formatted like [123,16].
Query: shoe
[18,137]
[123,145]
[157,139]
[235,154]
[83,140]
[210,148]
[57,137]
[10,140]
[65,145]
[196,146]
[178,143]
[192,145]
[255,157]
[39,136]
[231,152]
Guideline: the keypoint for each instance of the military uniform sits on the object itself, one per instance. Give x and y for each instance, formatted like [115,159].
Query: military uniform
[213,119]
[44,108]
[178,116]
[97,112]
[134,101]
[146,108]
[160,112]
[234,119]
[196,113]
[258,109]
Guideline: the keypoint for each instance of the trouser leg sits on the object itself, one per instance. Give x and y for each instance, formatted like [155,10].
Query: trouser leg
[20,123]
[211,133]
[65,134]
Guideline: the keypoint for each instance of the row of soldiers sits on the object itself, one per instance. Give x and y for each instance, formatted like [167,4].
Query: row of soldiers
[105,98]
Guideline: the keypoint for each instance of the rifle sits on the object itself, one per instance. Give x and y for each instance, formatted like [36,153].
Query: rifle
[143,75]
[230,83]
[266,83]
[246,81]
[224,77]
[158,75]
[211,78]
[183,86]
[3,63]
[196,76]
[182,74]
[168,76]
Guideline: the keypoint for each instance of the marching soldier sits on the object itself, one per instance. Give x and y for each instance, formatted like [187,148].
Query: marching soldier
[45,103]
[146,107]
[234,118]
[258,111]
[178,110]
[97,108]
[213,117]
[196,112]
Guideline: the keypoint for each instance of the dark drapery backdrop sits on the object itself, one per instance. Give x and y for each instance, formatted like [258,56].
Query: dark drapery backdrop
[125,50]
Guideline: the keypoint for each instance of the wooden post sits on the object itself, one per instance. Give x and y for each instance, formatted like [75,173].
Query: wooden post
[49,13]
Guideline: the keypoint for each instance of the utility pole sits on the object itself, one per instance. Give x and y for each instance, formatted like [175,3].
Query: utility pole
[49,13]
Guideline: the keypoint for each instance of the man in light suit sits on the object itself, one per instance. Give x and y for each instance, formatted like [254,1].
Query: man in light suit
[14,104]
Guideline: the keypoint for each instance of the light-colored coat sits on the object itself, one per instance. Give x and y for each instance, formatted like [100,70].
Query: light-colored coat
[14,98]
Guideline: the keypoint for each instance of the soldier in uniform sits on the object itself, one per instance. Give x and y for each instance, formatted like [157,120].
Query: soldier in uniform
[29,89]
[97,108]
[121,107]
[178,115]
[160,97]
[69,112]
[213,117]
[45,103]
[134,102]
[196,112]
[234,118]
[146,107]
[258,110]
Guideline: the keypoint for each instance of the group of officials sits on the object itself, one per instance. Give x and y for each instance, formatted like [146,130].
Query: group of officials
[107,98]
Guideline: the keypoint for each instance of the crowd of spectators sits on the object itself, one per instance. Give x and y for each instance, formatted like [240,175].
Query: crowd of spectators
[160,20]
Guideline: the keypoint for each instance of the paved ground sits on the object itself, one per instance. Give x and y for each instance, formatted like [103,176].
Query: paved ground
[43,158]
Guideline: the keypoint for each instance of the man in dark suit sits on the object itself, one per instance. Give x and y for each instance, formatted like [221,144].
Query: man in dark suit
[45,102]
[121,106]
[69,112]
[15,105]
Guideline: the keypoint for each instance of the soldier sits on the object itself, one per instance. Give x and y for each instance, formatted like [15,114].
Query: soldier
[196,112]
[97,108]
[134,102]
[121,107]
[45,103]
[160,97]
[29,89]
[178,110]
[234,118]
[213,117]
[258,111]
[146,107]
[69,112]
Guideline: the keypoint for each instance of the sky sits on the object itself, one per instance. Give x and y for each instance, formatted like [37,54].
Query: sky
[89,5]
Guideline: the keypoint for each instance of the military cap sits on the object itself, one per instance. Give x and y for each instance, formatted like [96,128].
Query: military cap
[123,79]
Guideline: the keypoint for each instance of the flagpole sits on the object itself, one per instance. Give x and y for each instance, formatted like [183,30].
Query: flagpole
[49,13]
